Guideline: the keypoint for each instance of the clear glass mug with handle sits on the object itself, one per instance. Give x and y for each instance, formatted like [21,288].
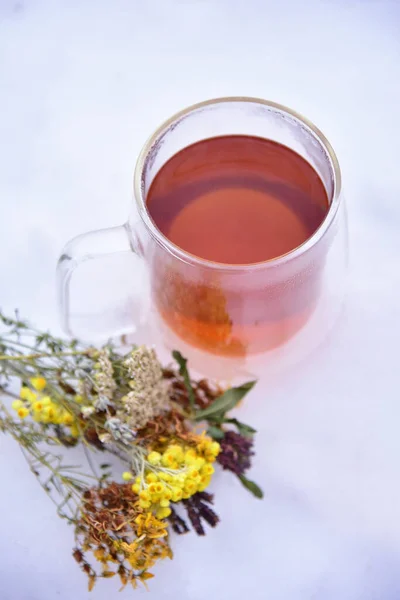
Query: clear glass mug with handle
[283,307]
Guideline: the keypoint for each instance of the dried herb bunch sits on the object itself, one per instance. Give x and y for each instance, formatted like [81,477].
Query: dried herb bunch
[144,417]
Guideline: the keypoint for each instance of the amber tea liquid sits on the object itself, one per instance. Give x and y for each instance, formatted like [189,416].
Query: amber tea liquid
[235,200]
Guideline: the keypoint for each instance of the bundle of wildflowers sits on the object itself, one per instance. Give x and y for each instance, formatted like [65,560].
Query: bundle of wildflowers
[165,432]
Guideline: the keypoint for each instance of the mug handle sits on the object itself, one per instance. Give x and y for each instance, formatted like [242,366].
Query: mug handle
[91,246]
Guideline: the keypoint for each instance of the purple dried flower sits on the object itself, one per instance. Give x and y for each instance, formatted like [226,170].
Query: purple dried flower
[236,452]
[197,511]
[177,523]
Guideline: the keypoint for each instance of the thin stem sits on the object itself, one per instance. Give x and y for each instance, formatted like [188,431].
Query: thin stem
[90,462]
[24,357]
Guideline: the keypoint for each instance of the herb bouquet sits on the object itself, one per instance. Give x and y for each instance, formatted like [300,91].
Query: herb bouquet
[166,431]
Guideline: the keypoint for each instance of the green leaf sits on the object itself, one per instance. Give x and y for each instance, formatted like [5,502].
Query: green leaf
[251,486]
[225,402]
[215,432]
[183,371]
[242,428]
[105,466]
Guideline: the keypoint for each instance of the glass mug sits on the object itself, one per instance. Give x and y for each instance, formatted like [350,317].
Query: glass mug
[282,304]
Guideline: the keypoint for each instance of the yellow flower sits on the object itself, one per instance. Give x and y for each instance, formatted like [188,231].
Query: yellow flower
[99,554]
[152,488]
[188,471]
[167,494]
[23,412]
[74,431]
[144,495]
[27,394]
[176,494]
[49,414]
[193,474]
[168,459]
[190,487]
[38,383]
[143,552]
[215,448]
[17,404]
[176,451]
[149,526]
[190,456]
[143,577]
[38,406]
[204,483]
[59,415]
[199,462]
[207,470]
[154,458]
[67,418]
[163,513]
[160,487]
[127,476]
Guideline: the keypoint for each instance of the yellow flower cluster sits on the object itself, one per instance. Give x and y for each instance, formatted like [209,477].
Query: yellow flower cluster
[176,474]
[42,408]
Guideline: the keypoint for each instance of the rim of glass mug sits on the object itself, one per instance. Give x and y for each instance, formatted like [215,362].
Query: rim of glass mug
[161,239]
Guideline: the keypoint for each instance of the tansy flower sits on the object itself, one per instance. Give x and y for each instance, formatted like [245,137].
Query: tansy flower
[38,406]
[190,457]
[153,488]
[17,404]
[207,469]
[204,483]
[178,473]
[163,513]
[67,418]
[154,458]
[127,476]
[49,414]
[144,495]
[176,494]
[74,431]
[168,459]
[22,412]
[38,383]
[27,394]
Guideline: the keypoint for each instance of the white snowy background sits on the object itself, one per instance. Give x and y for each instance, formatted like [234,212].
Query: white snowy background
[82,84]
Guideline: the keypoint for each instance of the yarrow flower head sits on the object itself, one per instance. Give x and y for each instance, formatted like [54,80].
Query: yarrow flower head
[105,384]
[149,393]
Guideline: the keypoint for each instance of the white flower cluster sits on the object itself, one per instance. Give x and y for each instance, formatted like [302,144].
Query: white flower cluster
[105,384]
[150,392]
